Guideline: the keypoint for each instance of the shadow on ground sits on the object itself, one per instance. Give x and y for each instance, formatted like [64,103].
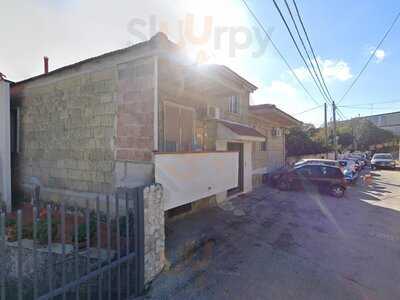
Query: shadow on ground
[288,245]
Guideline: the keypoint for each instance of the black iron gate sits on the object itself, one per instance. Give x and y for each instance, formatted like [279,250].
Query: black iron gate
[69,252]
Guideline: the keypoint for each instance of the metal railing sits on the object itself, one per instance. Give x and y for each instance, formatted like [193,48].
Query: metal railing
[70,252]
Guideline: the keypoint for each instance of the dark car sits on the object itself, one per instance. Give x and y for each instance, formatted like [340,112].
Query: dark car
[323,177]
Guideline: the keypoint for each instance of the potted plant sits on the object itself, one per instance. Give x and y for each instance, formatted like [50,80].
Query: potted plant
[11,230]
[82,234]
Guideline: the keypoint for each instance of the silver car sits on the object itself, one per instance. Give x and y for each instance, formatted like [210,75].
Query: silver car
[383,160]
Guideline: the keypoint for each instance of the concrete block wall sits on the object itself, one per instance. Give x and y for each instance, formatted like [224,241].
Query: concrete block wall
[67,130]
[274,157]
[135,111]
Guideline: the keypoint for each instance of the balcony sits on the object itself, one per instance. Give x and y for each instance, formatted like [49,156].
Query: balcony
[188,177]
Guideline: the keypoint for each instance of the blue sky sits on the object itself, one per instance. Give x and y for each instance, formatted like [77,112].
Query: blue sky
[340,31]
[343,34]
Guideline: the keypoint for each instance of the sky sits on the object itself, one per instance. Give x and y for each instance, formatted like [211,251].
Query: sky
[343,34]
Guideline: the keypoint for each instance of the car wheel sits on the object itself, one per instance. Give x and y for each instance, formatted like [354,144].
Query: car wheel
[337,191]
[283,185]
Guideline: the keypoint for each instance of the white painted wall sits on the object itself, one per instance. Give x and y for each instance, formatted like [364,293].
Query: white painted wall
[188,177]
[222,145]
[5,144]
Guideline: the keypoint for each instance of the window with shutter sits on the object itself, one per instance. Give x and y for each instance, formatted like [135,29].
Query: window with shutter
[171,127]
[187,120]
[179,127]
[234,104]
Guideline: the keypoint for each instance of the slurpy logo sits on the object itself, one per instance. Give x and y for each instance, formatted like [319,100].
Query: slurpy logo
[228,39]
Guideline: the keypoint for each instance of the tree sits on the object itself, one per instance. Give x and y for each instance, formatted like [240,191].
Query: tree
[369,135]
[299,142]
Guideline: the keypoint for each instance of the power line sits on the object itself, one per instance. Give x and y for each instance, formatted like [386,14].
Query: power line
[374,108]
[305,49]
[372,103]
[308,110]
[320,85]
[370,58]
[311,47]
[278,51]
[314,55]
[299,51]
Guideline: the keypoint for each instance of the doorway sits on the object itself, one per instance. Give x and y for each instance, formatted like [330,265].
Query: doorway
[239,148]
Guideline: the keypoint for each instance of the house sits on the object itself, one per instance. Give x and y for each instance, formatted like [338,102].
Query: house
[139,115]
[387,121]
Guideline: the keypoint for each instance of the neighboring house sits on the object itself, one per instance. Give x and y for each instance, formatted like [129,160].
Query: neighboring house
[5,153]
[273,124]
[388,121]
[139,115]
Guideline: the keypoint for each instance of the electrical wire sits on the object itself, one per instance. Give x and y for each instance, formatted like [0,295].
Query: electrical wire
[278,51]
[299,51]
[311,47]
[320,85]
[308,110]
[370,58]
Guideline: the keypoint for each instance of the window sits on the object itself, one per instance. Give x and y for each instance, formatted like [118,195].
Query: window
[178,128]
[234,104]
[276,132]
[260,146]
[304,171]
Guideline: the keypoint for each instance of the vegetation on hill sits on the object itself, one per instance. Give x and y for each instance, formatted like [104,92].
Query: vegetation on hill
[356,134]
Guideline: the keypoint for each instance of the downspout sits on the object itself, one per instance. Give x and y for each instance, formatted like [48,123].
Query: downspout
[5,144]
[156,104]
[284,147]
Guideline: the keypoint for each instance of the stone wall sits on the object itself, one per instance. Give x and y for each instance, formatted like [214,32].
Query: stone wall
[86,134]
[67,130]
[154,232]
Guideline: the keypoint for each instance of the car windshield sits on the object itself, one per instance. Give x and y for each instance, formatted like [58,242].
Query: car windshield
[383,156]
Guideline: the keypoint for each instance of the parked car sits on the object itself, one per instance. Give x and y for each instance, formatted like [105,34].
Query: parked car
[317,161]
[324,177]
[383,160]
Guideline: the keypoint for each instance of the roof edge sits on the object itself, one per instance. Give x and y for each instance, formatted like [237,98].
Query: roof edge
[156,40]
[273,107]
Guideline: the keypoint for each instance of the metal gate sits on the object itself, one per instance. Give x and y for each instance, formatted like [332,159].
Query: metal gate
[69,252]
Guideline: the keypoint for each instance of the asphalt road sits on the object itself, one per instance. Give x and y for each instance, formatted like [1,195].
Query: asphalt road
[289,245]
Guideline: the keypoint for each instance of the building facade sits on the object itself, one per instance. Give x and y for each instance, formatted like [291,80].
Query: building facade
[139,115]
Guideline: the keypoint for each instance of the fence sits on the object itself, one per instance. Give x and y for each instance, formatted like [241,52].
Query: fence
[69,252]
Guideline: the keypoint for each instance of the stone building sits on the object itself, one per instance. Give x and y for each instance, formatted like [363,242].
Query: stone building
[140,115]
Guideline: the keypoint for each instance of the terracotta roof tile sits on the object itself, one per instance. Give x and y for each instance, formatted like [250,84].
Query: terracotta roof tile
[241,129]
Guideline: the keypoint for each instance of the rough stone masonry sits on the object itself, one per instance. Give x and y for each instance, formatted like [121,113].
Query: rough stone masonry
[154,231]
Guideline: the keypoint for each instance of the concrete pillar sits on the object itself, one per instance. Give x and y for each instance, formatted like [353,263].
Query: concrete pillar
[5,144]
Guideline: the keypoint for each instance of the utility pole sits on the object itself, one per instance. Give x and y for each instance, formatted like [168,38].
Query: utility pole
[326,126]
[334,129]
[353,134]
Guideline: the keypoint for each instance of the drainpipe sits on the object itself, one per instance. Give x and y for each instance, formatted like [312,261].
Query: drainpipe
[5,144]
[156,103]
